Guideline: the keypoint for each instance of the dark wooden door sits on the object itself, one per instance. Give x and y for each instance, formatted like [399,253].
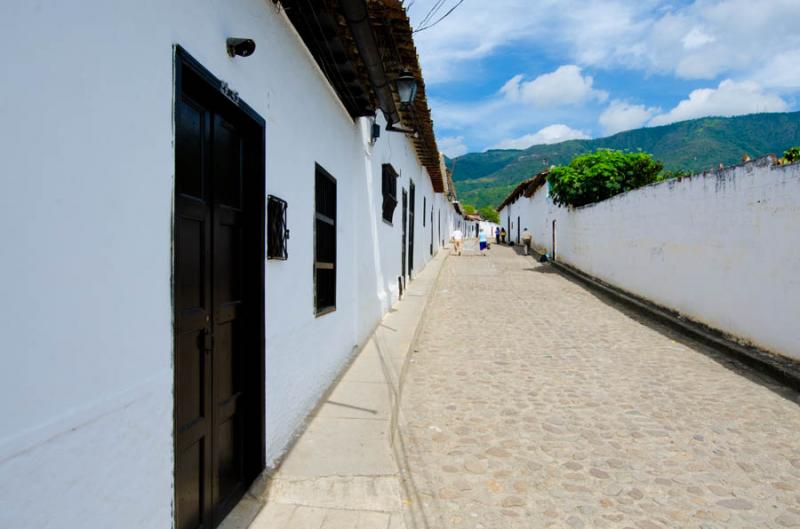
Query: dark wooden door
[218,301]
[404,238]
[517,230]
[411,211]
[431,229]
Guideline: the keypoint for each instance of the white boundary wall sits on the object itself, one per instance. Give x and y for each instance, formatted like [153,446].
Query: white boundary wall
[720,248]
[86,215]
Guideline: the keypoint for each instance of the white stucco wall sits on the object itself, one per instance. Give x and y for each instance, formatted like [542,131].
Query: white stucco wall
[534,213]
[720,248]
[513,215]
[378,243]
[86,213]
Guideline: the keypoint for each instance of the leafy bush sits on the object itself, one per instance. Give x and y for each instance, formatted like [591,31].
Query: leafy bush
[791,155]
[599,175]
[666,175]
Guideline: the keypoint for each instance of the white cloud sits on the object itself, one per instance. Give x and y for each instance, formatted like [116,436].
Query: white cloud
[782,72]
[730,98]
[601,32]
[742,40]
[550,134]
[564,86]
[446,49]
[620,115]
[452,146]
[702,39]
[707,39]
[696,38]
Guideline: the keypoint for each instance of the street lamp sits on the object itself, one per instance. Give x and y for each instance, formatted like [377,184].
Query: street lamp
[406,87]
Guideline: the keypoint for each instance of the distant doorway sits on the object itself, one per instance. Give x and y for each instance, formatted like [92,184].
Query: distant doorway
[411,224]
[404,238]
[439,217]
[431,252]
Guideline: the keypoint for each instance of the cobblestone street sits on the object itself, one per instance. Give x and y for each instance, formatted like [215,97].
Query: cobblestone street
[532,402]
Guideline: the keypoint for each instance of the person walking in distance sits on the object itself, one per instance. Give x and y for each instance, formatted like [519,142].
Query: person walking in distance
[526,240]
[503,235]
[482,241]
[456,237]
[497,235]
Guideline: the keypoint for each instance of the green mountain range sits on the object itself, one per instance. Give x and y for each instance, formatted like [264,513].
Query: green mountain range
[486,178]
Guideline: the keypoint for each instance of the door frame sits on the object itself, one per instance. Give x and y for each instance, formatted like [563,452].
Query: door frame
[412,219]
[431,229]
[404,236]
[255,433]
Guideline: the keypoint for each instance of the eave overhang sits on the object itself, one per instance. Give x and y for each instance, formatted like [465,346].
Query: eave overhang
[526,187]
[362,46]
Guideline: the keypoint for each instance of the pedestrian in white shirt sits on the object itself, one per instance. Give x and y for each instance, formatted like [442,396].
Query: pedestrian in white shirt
[526,240]
[456,237]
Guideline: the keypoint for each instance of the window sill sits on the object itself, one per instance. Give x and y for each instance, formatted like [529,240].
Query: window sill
[326,310]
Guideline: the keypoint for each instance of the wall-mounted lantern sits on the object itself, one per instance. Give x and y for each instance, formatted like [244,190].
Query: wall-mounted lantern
[406,87]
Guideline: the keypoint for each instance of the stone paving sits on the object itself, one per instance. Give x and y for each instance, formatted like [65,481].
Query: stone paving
[532,402]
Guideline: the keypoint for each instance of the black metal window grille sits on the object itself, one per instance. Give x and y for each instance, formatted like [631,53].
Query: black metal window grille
[324,242]
[389,189]
[424,209]
[277,231]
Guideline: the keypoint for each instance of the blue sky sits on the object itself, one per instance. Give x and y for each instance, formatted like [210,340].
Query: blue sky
[513,73]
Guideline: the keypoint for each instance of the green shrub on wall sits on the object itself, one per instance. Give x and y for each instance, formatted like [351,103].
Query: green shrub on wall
[599,175]
[791,155]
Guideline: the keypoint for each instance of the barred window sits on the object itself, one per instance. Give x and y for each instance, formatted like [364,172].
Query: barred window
[389,188]
[277,231]
[324,242]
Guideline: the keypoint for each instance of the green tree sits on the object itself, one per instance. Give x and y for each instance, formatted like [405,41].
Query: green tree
[599,175]
[468,209]
[490,214]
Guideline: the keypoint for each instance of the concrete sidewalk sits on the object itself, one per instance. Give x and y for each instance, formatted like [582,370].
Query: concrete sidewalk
[347,470]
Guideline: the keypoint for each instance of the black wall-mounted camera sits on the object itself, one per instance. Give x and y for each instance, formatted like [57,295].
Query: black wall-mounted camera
[240,47]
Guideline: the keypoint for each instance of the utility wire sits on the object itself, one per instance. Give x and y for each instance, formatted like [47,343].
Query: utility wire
[431,12]
[424,27]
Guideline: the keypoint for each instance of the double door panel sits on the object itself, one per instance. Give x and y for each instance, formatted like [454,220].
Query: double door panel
[210,313]
[404,236]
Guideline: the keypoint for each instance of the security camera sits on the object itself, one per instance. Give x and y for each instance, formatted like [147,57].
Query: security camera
[240,47]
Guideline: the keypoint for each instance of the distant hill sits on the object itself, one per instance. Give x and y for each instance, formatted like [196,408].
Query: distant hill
[486,178]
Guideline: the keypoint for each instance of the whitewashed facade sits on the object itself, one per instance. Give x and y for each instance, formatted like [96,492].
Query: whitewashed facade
[87,430]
